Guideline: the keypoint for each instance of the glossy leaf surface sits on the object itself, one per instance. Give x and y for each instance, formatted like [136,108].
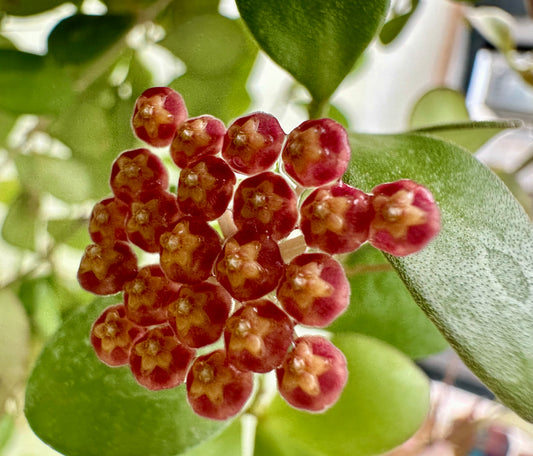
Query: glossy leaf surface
[475,280]
[439,106]
[385,391]
[317,41]
[82,407]
[394,26]
[381,307]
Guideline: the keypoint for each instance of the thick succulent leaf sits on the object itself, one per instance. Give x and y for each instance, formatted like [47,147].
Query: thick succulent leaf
[475,280]
[317,41]
[439,106]
[275,444]
[385,391]
[41,303]
[228,442]
[382,307]
[394,26]
[224,97]
[32,84]
[210,44]
[469,135]
[81,407]
[80,38]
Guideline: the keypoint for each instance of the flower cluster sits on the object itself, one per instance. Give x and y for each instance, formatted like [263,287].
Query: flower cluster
[243,256]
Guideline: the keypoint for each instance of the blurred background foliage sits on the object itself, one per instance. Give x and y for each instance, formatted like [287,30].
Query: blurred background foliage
[64,117]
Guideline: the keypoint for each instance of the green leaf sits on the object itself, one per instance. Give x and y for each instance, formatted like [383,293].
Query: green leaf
[32,84]
[382,307]
[268,444]
[72,232]
[15,343]
[42,305]
[393,27]
[469,135]
[127,6]
[215,81]
[20,223]
[27,8]
[383,404]
[227,443]
[210,45]
[82,407]
[439,106]
[475,280]
[317,41]
[7,428]
[80,38]
[337,115]
[85,128]
[523,197]
[224,97]
[67,180]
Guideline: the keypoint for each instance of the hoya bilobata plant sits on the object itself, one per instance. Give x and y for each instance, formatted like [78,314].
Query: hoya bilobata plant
[262,289]
[207,285]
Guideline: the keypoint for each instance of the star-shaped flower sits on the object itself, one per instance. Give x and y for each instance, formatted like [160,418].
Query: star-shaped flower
[180,245]
[303,370]
[98,260]
[155,351]
[326,212]
[240,262]
[305,147]
[194,131]
[195,183]
[113,332]
[151,113]
[246,135]
[396,213]
[132,170]
[261,202]
[144,218]
[189,311]
[209,379]
[247,332]
[303,284]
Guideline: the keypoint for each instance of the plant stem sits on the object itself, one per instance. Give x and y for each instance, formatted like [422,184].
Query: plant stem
[318,108]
